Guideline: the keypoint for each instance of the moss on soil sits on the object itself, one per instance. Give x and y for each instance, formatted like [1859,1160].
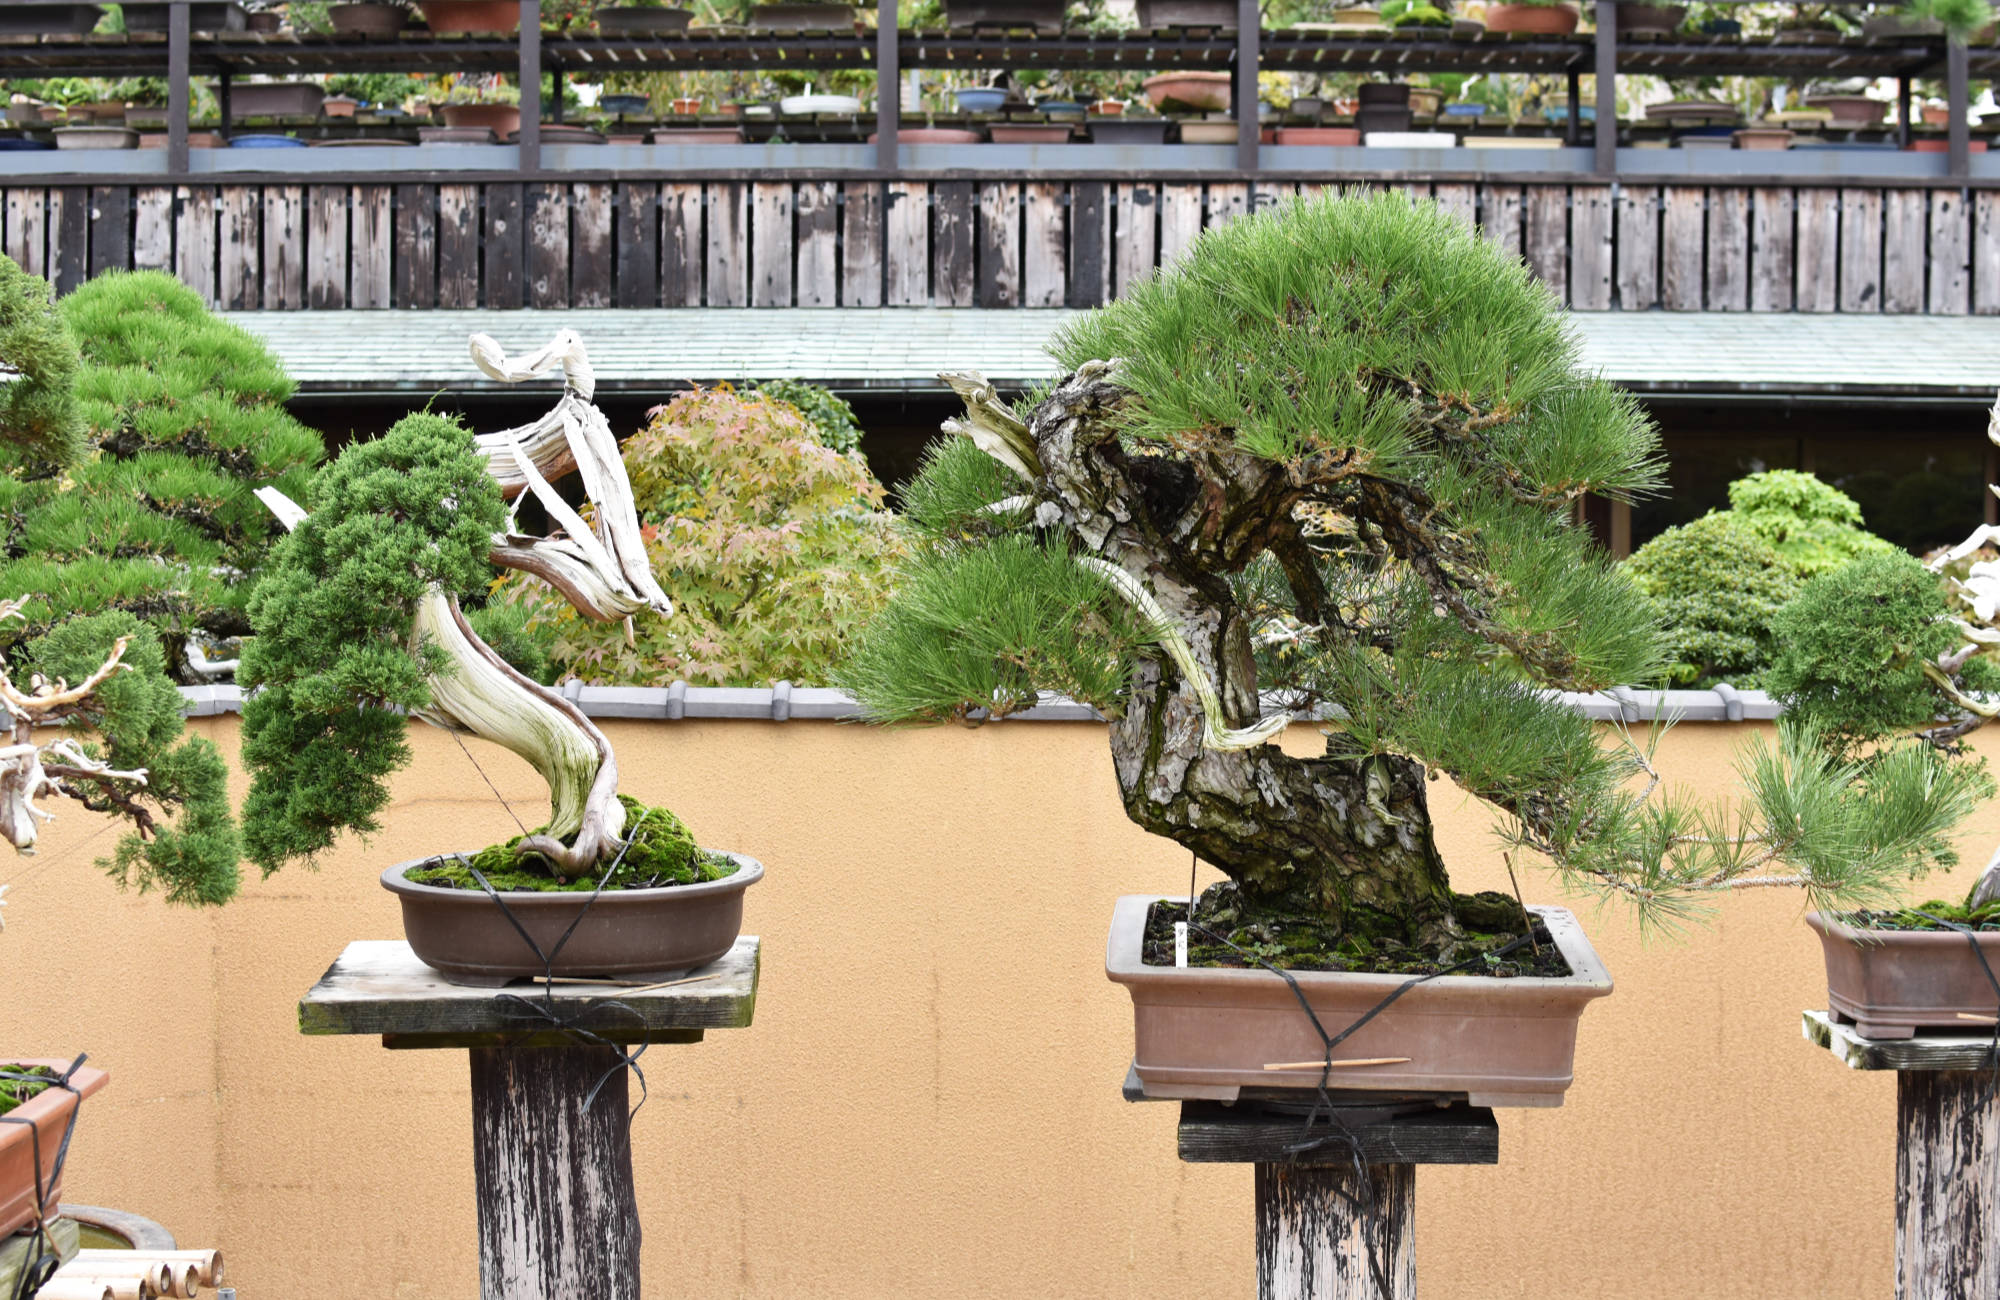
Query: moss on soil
[662,853]
[15,1091]
[1490,922]
[1984,917]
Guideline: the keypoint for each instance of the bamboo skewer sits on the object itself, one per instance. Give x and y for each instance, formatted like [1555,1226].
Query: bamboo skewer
[1977,1019]
[1339,1065]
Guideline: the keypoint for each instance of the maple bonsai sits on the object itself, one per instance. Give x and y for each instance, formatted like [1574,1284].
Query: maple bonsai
[1327,466]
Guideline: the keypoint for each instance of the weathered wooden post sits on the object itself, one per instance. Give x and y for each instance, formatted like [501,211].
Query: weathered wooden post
[1947,1141]
[552,1152]
[1336,1201]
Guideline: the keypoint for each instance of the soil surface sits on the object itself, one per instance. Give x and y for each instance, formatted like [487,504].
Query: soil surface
[1311,944]
[1984,917]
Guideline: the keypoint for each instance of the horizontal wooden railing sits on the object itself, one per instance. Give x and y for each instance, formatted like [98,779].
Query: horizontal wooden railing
[995,243]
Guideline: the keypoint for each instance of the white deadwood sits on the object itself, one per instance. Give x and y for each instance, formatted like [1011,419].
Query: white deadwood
[1327,1233]
[29,770]
[1947,1186]
[1979,590]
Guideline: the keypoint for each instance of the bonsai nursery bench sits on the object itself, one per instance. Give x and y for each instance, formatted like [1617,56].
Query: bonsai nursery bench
[1947,1153]
[551,1113]
[1336,1203]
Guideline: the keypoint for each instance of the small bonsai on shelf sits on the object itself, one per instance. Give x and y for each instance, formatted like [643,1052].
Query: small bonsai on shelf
[1326,467]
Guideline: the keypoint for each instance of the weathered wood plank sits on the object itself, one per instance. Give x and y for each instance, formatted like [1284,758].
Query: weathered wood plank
[728,244]
[954,233]
[1638,251]
[1816,262]
[1947,1185]
[1861,250]
[1590,255]
[590,244]
[1904,225]
[1460,200]
[28,230]
[683,245]
[69,237]
[284,247]
[194,242]
[458,242]
[110,228]
[153,228]
[1950,273]
[1000,244]
[1225,203]
[372,238]
[1727,267]
[1331,1232]
[906,252]
[638,240]
[1500,216]
[1089,244]
[1985,260]
[1928,1050]
[503,240]
[1771,259]
[415,257]
[238,211]
[548,246]
[819,244]
[1211,1133]
[1135,243]
[1045,276]
[1683,231]
[1545,237]
[1181,207]
[861,245]
[773,245]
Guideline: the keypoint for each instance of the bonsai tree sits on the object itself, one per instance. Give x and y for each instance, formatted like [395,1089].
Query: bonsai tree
[775,543]
[358,623]
[185,418]
[1326,466]
[92,715]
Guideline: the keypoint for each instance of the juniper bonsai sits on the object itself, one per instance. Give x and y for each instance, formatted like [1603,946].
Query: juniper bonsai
[358,623]
[1327,466]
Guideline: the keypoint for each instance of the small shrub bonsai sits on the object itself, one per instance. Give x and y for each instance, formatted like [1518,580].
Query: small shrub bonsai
[184,418]
[1325,467]
[93,716]
[774,541]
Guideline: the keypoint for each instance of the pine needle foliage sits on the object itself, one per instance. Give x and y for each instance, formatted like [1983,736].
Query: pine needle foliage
[185,417]
[38,363]
[387,521]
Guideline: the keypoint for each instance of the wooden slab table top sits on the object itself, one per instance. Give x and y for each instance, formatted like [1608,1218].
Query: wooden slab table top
[1967,1049]
[378,986]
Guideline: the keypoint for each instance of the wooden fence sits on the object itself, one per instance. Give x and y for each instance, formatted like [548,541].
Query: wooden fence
[994,243]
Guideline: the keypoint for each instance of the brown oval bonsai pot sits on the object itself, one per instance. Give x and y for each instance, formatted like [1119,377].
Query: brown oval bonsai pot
[1891,983]
[1534,20]
[502,119]
[1191,91]
[626,933]
[48,1112]
[367,19]
[1208,1033]
[490,17]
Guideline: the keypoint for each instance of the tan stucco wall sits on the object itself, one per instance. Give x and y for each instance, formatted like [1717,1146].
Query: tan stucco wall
[928,1103]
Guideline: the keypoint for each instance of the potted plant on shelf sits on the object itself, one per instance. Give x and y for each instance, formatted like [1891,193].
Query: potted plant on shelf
[641,18]
[1254,489]
[1651,16]
[470,104]
[472,17]
[373,18]
[1533,17]
[1157,14]
[359,624]
[1042,15]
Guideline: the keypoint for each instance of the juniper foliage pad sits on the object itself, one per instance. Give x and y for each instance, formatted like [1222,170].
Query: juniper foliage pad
[38,363]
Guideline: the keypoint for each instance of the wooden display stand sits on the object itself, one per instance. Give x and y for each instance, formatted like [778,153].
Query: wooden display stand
[1327,1230]
[1947,1155]
[557,1214]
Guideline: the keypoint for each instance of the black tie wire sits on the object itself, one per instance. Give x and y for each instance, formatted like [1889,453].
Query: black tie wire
[545,1010]
[42,1265]
[1323,1097]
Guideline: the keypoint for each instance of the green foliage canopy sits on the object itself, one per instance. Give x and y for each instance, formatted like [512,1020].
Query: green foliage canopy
[38,364]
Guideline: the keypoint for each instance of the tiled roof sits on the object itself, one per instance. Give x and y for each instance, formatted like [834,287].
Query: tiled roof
[901,349]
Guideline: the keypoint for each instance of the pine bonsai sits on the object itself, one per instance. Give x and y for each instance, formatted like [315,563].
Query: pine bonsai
[358,623]
[185,418]
[94,686]
[1326,466]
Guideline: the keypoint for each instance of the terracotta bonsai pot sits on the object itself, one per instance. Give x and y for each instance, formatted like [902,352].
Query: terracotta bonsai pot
[1030,133]
[934,135]
[626,21]
[1190,90]
[490,17]
[1320,135]
[35,20]
[694,135]
[1763,137]
[1210,132]
[49,1111]
[265,21]
[1850,110]
[1890,983]
[502,119]
[367,19]
[339,106]
[1634,17]
[1944,146]
[1219,14]
[1042,15]
[685,107]
[1533,20]
[1936,115]
[275,99]
[626,933]
[1208,1033]
[801,17]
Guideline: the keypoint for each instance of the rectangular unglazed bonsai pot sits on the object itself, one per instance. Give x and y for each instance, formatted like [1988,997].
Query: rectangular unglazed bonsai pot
[1891,983]
[48,1116]
[1208,1033]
